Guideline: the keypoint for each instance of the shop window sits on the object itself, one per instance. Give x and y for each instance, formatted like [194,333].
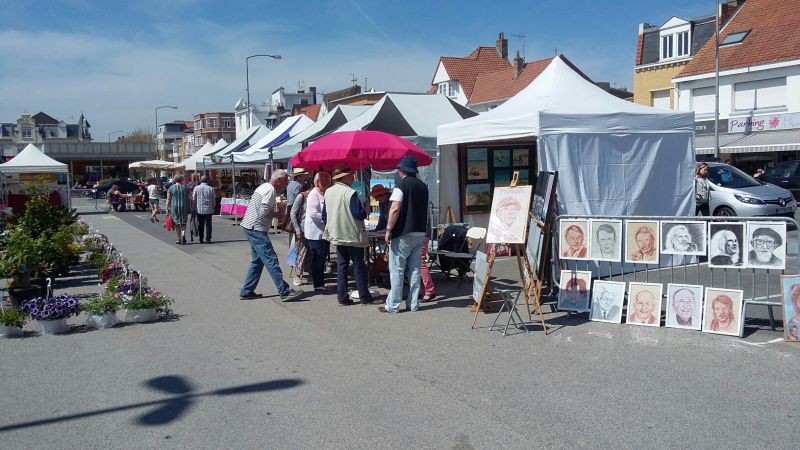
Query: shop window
[485,168]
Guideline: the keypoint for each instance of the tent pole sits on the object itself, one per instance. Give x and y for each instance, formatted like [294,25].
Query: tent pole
[233,184]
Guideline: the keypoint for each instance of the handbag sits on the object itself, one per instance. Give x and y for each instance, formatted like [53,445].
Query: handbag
[168,223]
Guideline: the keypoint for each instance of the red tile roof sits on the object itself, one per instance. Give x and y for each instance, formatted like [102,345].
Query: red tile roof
[501,84]
[311,111]
[774,38]
[467,69]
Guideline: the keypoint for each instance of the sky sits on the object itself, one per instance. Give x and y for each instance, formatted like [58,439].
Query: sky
[116,61]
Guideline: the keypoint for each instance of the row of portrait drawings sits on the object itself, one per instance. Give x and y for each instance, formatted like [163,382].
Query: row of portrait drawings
[721,314]
[754,244]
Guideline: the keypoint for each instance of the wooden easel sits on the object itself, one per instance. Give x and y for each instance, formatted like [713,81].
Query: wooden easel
[522,265]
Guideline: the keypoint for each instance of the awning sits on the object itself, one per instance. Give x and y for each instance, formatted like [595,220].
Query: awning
[759,141]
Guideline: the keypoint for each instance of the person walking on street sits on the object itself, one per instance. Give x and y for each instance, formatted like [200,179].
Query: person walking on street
[203,197]
[405,234]
[702,194]
[344,227]
[297,215]
[178,207]
[256,223]
[314,226]
[152,192]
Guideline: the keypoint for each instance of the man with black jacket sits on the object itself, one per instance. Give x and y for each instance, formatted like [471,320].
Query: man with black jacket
[405,234]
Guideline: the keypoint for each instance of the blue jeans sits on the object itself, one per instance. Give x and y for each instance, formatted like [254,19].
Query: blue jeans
[405,254]
[319,251]
[263,256]
[344,255]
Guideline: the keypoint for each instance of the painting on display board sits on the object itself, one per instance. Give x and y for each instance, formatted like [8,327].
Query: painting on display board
[501,158]
[520,157]
[790,288]
[722,313]
[477,164]
[644,304]
[543,194]
[606,240]
[641,241]
[725,245]
[607,300]
[502,177]
[766,242]
[683,238]
[574,239]
[508,219]
[478,196]
[684,306]
[574,292]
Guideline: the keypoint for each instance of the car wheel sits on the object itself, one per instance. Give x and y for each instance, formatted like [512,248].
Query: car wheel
[724,211]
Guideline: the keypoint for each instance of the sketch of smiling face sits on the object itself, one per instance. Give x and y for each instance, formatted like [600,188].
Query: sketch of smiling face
[683,304]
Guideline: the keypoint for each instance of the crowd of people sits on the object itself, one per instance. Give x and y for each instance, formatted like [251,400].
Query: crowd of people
[325,210]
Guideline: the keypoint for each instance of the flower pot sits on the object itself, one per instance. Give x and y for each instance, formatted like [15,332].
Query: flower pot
[101,320]
[57,326]
[141,315]
[10,332]
[19,295]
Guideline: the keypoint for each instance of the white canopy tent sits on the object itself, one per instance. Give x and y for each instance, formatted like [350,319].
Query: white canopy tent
[32,160]
[191,162]
[415,118]
[614,157]
[327,124]
[260,150]
[252,134]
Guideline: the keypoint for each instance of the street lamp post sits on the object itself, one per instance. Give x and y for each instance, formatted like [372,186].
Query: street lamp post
[155,135]
[716,78]
[247,70]
[109,134]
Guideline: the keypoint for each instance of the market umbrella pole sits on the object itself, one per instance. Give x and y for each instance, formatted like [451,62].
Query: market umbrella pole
[233,183]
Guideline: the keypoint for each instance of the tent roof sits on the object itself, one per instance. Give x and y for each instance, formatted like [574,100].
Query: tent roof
[191,162]
[409,115]
[31,159]
[259,151]
[329,122]
[252,134]
[560,100]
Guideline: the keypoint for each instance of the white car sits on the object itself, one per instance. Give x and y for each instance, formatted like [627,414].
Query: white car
[734,193]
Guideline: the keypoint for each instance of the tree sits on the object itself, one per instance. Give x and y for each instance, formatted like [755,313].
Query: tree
[138,136]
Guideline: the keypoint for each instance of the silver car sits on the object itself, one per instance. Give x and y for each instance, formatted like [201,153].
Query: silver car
[734,193]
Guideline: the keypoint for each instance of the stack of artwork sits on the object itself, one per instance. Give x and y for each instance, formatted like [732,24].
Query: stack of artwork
[757,245]
[722,312]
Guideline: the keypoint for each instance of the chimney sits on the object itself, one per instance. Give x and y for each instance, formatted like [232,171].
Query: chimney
[313,91]
[519,65]
[502,46]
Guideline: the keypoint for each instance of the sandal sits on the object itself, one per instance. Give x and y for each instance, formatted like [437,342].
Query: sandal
[428,298]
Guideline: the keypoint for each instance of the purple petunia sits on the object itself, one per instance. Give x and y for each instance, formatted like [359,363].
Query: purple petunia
[53,308]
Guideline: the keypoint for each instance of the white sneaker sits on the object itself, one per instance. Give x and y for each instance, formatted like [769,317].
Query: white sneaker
[297,281]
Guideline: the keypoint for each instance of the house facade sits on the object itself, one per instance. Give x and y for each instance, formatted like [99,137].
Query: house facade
[39,129]
[759,86]
[213,126]
[170,137]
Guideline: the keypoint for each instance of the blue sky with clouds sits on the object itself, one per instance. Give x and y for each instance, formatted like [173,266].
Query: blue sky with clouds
[116,61]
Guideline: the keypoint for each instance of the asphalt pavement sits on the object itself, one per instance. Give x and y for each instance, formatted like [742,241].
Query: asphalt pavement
[227,373]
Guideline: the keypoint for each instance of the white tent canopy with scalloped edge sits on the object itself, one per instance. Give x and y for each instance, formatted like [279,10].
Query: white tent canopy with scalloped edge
[32,160]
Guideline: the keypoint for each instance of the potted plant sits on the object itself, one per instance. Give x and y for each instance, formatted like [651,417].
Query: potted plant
[143,304]
[11,322]
[51,313]
[21,259]
[102,309]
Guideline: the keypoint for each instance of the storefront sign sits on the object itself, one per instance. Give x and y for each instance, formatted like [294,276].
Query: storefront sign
[766,122]
[37,177]
[707,127]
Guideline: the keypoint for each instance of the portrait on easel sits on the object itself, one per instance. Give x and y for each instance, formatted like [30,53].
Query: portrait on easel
[509,215]
[574,292]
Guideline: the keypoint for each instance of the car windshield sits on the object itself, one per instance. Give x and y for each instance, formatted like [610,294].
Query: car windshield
[781,170]
[730,177]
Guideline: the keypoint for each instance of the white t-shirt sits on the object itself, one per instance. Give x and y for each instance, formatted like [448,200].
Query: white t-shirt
[152,191]
[397,195]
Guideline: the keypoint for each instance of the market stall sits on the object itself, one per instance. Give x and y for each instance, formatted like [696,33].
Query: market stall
[33,165]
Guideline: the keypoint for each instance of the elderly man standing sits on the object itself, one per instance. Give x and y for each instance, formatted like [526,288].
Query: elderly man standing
[405,234]
[256,222]
[344,227]
[204,199]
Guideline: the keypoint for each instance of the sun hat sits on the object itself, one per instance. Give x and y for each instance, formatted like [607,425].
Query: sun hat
[299,171]
[408,165]
[341,171]
[378,190]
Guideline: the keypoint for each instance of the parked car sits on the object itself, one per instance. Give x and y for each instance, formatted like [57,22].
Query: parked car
[785,175]
[125,186]
[734,193]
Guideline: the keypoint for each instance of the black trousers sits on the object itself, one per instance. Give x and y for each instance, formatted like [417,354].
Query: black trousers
[319,251]
[204,223]
[344,255]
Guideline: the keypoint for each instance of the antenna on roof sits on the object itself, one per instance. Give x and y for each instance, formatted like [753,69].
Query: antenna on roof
[353,79]
[365,84]
[522,36]
[301,85]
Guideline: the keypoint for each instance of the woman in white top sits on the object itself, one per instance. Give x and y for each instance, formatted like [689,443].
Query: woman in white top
[152,192]
[313,226]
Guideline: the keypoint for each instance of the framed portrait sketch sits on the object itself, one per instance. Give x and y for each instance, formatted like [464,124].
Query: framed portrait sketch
[574,239]
[684,306]
[683,238]
[574,292]
[790,285]
[641,241]
[722,313]
[766,245]
[606,240]
[508,219]
[644,304]
[607,300]
[725,244]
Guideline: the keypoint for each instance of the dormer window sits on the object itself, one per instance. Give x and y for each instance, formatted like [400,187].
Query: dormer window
[734,38]
[449,88]
[675,45]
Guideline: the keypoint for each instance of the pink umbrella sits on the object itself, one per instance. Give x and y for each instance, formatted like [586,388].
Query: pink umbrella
[359,149]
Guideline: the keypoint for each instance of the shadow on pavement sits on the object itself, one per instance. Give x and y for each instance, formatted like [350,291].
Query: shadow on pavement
[179,395]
